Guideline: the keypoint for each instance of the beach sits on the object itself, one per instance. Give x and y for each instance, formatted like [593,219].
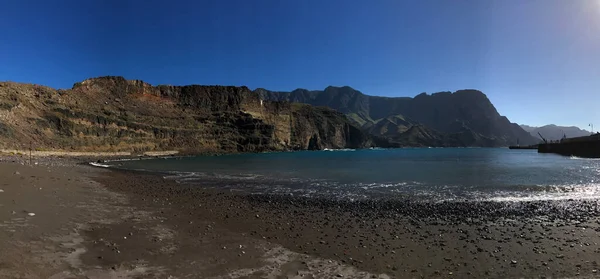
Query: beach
[64,219]
[59,220]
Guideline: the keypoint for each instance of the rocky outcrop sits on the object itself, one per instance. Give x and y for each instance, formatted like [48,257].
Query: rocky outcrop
[467,112]
[316,128]
[115,114]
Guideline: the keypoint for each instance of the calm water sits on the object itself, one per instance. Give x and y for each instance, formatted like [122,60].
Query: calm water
[419,173]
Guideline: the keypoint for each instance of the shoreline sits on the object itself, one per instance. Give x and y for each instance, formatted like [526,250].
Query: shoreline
[90,154]
[132,223]
[458,210]
[113,234]
[404,239]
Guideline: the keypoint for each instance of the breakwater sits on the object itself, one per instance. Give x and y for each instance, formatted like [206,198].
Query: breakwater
[587,147]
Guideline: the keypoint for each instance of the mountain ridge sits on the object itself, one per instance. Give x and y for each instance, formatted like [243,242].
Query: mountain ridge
[113,113]
[555,132]
[446,112]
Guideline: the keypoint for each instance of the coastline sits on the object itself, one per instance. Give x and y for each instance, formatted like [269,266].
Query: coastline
[400,238]
[82,228]
[131,224]
[85,154]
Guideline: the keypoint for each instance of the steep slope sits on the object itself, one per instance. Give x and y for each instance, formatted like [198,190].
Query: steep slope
[115,114]
[527,128]
[422,136]
[419,136]
[390,126]
[446,112]
[553,132]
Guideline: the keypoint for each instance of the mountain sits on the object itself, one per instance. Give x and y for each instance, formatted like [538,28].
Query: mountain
[465,112]
[527,128]
[553,132]
[390,126]
[115,114]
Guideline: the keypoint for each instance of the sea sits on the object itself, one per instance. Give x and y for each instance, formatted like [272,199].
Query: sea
[422,174]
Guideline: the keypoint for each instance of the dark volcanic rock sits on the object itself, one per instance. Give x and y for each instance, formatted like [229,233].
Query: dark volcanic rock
[324,128]
[466,115]
[115,114]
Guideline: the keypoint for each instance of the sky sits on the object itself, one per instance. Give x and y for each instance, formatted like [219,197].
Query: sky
[538,61]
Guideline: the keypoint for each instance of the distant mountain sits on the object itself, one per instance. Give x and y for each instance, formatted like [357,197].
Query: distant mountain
[553,132]
[528,128]
[467,115]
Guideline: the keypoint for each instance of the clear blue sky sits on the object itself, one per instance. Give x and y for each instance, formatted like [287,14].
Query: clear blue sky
[537,60]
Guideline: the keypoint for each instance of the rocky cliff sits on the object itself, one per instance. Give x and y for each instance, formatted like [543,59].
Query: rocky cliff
[115,114]
[465,112]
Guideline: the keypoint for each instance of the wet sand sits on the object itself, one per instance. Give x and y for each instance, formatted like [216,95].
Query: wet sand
[97,223]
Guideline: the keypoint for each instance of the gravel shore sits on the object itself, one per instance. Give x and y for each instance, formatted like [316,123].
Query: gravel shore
[403,239]
[98,223]
[58,221]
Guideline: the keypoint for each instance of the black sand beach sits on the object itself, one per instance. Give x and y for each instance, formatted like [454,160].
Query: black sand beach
[97,223]
[399,238]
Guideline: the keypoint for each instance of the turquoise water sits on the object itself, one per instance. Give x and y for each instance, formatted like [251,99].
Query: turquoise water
[419,173]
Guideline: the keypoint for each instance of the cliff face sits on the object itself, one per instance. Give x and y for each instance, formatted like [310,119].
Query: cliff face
[462,112]
[114,114]
[320,127]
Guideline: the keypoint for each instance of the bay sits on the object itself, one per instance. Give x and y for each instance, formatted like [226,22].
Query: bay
[431,174]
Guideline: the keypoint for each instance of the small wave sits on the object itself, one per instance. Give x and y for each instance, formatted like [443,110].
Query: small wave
[126,159]
[590,191]
[141,158]
[367,186]
[183,175]
[515,193]
[99,165]
[342,149]
[237,176]
[190,176]
[582,158]
[587,188]
[545,197]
